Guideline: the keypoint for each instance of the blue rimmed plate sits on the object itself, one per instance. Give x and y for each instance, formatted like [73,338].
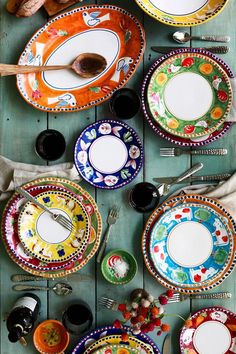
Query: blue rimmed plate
[108,154]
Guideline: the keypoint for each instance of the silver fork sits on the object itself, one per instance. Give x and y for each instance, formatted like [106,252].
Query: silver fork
[177,297]
[111,220]
[169,152]
[61,219]
[108,303]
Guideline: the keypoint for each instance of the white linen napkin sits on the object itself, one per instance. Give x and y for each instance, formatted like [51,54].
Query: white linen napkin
[13,174]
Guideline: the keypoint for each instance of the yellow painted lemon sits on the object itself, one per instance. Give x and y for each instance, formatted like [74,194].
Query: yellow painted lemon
[216,113]
[172,123]
[161,79]
[206,68]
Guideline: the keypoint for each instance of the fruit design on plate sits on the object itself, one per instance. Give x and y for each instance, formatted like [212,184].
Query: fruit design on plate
[189,95]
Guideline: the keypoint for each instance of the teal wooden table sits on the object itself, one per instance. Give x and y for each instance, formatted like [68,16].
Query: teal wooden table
[19,126]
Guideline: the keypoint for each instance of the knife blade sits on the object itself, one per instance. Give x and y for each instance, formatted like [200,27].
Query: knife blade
[207,178]
[216,50]
[25,277]
[167,345]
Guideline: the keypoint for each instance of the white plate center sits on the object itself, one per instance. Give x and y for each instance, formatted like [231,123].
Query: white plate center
[189,244]
[50,230]
[188,96]
[212,337]
[178,7]
[108,154]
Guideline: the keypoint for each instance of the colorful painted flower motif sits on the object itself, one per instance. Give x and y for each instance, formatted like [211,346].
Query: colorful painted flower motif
[110,180]
[80,217]
[105,129]
[46,199]
[134,152]
[108,351]
[53,32]
[187,62]
[61,252]
[29,233]
[36,95]
[161,79]
[82,157]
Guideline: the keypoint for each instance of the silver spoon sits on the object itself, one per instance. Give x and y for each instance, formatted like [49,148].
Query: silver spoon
[184,37]
[59,288]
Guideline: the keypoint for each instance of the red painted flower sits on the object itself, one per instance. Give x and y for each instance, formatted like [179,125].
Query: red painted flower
[222,95]
[188,129]
[36,95]
[187,62]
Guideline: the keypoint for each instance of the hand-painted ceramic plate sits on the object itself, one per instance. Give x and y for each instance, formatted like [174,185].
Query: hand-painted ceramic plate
[45,238]
[201,285]
[103,29]
[211,330]
[108,154]
[33,265]
[133,342]
[190,244]
[95,335]
[200,141]
[119,267]
[116,349]
[189,95]
[182,13]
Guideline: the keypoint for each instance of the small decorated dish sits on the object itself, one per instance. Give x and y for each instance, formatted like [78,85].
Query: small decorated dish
[189,95]
[209,330]
[51,337]
[119,267]
[108,154]
[45,238]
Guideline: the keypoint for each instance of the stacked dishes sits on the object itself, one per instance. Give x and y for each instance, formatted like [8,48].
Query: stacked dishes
[108,340]
[187,96]
[189,243]
[40,245]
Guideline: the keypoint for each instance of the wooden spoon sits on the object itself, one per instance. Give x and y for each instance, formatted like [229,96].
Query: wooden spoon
[85,65]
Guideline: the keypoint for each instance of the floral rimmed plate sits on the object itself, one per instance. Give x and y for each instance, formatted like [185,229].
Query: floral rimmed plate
[33,265]
[45,238]
[103,29]
[102,332]
[190,243]
[211,330]
[182,13]
[116,349]
[108,154]
[173,202]
[189,95]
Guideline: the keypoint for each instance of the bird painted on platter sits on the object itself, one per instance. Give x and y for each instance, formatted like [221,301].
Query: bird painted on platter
[67,99]
[123,64]
[91,19]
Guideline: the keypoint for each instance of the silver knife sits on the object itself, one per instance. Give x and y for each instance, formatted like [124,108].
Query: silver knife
[25,277]
[217,49]
[207,178]
[167,345]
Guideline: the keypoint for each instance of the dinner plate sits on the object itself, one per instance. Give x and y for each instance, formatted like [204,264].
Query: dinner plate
[45,238]
[211,330]
[107,30]
[182,12]
[108,154]
[116,349]
[189,95]
[33,265]
[202,285]
[99,333]
[200,141]
[190,243]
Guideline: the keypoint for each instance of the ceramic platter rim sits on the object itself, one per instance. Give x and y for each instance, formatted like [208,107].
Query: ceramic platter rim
[98,94]
[102,350]
[25,239]
[155,126]
[206,311]
[131,167]
[191,283]
[103,331]
[57,273]
[186,70]
[176,20]
[176,199]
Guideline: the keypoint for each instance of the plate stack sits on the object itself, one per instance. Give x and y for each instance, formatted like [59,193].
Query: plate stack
[39,244]
[189,243]
[108,339]
[187,96]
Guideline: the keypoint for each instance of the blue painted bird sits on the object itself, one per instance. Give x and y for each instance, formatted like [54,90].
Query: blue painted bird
[91,19]
[123,64]
[67,99]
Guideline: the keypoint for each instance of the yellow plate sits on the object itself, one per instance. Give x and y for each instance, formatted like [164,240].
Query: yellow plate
[44,237]
[182,13]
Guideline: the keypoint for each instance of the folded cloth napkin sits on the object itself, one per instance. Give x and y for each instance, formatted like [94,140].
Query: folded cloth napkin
[13,174]
[225,192]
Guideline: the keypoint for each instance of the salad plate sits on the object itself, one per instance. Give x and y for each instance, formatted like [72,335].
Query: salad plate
[46,239]
[182,13]
[199,141]
[210,330]
[108,154]
[189,95]
[106,30]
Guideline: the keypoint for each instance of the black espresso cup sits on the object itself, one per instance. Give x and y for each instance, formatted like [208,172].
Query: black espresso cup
[50,145]
[125,103]
[77,318]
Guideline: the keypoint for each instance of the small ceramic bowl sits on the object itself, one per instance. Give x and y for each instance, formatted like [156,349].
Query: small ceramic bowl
[125,103]
[50,145]
[119,267]
[51,337]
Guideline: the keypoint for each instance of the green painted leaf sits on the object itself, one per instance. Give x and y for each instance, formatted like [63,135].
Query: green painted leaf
[62,33]
[125,174]
[95,89]
[127,36]
[127,137]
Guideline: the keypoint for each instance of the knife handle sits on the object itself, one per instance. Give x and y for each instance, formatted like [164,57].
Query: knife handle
[223,39]
[221,295]
[217,152]
[219,177]
[25,277]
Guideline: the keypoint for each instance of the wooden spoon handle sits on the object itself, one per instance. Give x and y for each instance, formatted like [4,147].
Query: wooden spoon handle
[8,69]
